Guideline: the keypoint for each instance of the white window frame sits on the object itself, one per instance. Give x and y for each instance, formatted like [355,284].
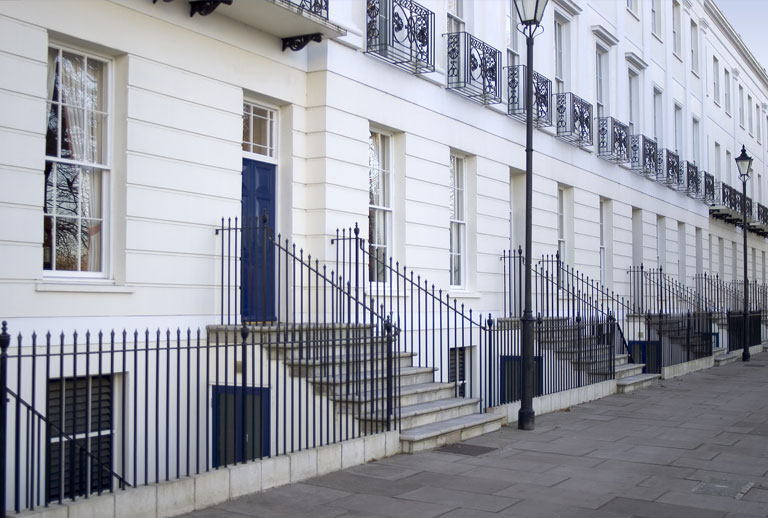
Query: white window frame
[603,259]
[384,208]
[728,160]
[678,120]
[750,118]
[104,167]
[677,28]
[695,139]
[716,80]
[632,7]
[758,123]
[633,98]
[601,72]
[741,106]
[718,171]
[562,61]
[458,221]
[727,91]
[694,47]
[657,27]
[456,18]
[513,41]
[658,117]
[272,132]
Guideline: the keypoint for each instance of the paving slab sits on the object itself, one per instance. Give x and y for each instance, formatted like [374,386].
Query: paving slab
[695,446]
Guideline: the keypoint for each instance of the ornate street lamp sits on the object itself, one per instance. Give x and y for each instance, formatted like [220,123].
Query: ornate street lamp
[744,163]
[529,13]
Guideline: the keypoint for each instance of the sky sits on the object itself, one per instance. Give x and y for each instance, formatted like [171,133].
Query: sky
[748,18]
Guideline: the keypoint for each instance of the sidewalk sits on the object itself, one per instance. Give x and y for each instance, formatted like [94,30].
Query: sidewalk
[696,446]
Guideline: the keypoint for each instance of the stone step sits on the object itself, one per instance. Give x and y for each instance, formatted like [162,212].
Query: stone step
[636,382]
[726,358]
[339,364]
[334,385]
[332,346]
[420,414]
[409,395]
[280,331]
[433,435]
[622,359]
[627,370]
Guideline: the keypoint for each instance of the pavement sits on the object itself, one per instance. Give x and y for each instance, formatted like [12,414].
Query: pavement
[694,446]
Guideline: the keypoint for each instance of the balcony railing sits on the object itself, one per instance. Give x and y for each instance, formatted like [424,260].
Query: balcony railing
[474,68]
[402,33]
[709,189]
[612,140]
[316,7]
[542,101]
[574,119]
[727,203]
[642,154]
[669,172]
[692,180]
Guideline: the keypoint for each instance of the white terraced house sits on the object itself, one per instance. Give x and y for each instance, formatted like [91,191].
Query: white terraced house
[247,242]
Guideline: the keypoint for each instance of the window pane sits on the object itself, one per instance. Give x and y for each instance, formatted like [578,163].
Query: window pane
[73,79]
[67,249]
[246,128]
[90,192]
[90,249]
[94,86]
[52,133]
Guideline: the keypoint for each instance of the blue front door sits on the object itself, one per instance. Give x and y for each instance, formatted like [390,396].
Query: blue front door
[258,259]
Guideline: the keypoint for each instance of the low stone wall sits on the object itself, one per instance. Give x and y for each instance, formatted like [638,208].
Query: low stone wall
[681,369]
[559,400]
[200,491]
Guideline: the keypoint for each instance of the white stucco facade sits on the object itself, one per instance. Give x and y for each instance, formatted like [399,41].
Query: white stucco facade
[175,85]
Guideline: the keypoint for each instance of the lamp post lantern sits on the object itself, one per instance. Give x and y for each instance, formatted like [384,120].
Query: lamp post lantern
[744,163]
[529,13]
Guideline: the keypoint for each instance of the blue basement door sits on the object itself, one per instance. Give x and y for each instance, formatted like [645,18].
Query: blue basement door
[258,256]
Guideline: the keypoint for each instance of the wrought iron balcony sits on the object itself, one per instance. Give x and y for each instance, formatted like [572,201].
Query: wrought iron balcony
[474,68]
[760,223]
[402,33]
[296,22]
[708,195]
[669,172]
[574,119]
[316,7]
[542,100]
[727,203]
[612,140]
[692,180]
[642,155]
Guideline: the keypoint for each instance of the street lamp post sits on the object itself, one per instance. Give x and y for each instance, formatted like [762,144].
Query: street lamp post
[744,163]
[529,13]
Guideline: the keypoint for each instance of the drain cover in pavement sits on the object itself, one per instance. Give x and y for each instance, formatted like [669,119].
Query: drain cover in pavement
[465,449]
[730,488]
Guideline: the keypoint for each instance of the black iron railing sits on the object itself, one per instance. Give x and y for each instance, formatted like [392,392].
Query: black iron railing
[709,189]
[692,180]
[316,7]
[99,412]
[561,292]
[612,140]
[669,172]
[643,155]
[541,96]
[473,68]
[654,291]
[401,32]
[673,339]
[574,119]
[433,326]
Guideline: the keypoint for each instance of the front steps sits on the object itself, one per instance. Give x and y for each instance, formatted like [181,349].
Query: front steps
[629,376]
